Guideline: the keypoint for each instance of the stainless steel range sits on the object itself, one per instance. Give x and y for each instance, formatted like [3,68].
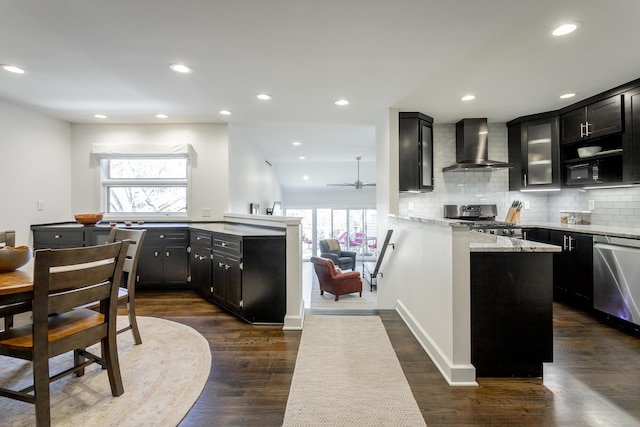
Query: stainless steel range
[483,218]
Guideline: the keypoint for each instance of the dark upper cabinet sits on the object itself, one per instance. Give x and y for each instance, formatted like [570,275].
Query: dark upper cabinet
[631,139]
[533,149]
[415,152]
[592,121]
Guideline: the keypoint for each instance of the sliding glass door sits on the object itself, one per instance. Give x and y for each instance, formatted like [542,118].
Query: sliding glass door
[355,230]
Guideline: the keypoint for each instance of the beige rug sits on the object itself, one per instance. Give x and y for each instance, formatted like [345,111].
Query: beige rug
[162,377]
[347,374]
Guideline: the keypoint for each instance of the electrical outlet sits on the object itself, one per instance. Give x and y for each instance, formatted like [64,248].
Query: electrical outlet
[206,212]
[40,205]
[527,204]
[591,204]
[410,206]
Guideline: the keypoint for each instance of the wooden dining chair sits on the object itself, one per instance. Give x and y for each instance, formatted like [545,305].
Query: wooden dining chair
[65,279]
[126,294]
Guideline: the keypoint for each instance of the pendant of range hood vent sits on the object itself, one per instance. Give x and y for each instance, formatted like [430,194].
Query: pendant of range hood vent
[472,147]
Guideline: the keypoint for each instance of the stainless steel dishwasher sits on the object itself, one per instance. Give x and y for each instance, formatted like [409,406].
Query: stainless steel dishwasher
[616,277]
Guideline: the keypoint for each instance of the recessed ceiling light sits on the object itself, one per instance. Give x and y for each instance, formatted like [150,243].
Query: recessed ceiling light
[99,116]
[342,102]
[180,68]
[306,178]
[12,69]
[468,97]
[263,96]
[225,112]
[302,157]
[567,95]
[565,29]
[162,116]
[296,143]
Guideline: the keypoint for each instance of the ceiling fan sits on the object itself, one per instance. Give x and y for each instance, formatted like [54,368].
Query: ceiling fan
[358,184]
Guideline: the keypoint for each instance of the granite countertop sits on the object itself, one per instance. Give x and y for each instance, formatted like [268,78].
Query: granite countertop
[603,230]
[238,230]
[484,242]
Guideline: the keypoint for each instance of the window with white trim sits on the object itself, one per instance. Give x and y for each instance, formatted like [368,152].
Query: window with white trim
[142,185]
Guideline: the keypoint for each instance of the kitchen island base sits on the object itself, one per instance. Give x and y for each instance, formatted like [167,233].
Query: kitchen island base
[511,313]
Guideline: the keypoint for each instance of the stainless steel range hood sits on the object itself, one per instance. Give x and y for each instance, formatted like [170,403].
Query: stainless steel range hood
[471,147]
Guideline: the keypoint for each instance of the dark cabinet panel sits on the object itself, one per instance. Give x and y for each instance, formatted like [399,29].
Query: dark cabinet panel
[150,263]
[164,261]
[57,238]
[595,120]
[415,152]
[573,269]
[536,234]
[631,140]
[201,263]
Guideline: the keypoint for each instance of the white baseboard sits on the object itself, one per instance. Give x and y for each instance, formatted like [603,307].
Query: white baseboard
[455,375]
[294,322]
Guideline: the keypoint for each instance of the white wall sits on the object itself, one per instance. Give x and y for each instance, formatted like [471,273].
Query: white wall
[209,166]
[35,158]
[251,179]
[342,198]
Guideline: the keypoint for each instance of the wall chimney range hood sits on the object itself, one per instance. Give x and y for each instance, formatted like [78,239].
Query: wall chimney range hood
[471,147]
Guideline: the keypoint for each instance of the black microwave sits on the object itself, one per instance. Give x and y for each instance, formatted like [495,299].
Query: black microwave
[590,172]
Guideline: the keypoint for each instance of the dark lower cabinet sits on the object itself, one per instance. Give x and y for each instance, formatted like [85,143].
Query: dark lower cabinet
[58,238]
[573,269]
[247,274]
[164,261]
[511,313]
[200,265]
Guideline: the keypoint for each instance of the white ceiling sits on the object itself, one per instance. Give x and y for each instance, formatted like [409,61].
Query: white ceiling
[87,56]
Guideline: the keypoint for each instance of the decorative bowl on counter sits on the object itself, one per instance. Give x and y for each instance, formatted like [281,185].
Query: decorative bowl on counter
[89,219]
[588,151]
[13,258]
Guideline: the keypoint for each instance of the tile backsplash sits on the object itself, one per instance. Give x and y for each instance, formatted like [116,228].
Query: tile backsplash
[615,207]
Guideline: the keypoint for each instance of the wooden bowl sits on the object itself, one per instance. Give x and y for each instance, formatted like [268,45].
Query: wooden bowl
[89,219]
[13,258]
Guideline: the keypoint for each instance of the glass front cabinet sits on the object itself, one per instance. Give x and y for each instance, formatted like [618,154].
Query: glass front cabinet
[534,151]
[415,152]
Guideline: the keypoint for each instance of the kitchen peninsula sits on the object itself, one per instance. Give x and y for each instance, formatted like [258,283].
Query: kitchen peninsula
[246,264]
[469,298]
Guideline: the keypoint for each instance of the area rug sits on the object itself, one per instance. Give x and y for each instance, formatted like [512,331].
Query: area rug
[162,378]
[347,374]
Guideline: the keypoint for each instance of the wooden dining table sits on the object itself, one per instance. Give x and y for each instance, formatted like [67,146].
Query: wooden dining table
[16,286]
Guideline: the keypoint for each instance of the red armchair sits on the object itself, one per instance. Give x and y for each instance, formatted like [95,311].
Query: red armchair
[333,282]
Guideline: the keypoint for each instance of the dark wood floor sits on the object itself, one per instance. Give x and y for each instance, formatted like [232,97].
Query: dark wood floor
[594,380]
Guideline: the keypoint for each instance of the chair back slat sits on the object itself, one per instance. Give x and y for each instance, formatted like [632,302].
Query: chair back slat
[81,276]
[135,238]
[75,271]
[65,301]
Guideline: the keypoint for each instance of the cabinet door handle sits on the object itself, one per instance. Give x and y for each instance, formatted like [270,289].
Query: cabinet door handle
[221,264]
[156,253]
[587,130]
[570,243]
[202,258]
[223,244]
[564,242]
[162,236]
[227,266]
[525,179]
[524,235]
[57,236]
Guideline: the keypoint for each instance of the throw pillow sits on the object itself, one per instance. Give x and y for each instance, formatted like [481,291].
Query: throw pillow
[333,245]
[338,270]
